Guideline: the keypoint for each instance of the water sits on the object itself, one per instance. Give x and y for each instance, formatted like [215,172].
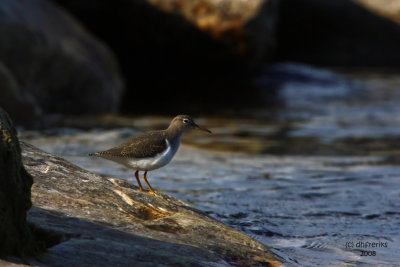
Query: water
[316,179]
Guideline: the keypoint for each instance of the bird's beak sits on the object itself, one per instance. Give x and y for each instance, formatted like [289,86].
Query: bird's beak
[197,127]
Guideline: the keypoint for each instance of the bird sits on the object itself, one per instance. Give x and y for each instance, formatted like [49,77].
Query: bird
[151,150]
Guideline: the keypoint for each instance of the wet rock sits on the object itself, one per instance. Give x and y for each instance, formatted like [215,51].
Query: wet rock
[50,64]
[15,195]
[108,222]
[340,33]
[205,48]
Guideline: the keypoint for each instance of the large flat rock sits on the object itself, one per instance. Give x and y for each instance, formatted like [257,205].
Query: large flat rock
[103,221]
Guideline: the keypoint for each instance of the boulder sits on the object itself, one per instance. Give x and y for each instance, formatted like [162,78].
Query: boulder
[103,221]
[21,104]
[50,64]
[16,237]
[386,8]
[355,33]
[202,51]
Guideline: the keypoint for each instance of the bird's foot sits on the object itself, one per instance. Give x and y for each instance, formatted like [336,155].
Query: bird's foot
[154,193]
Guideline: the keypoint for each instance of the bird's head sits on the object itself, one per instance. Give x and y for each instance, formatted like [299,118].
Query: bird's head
[185,123]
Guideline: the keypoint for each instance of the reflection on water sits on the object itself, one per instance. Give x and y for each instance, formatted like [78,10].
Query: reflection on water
[306,179]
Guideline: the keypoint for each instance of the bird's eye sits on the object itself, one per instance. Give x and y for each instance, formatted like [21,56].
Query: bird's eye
[185,121]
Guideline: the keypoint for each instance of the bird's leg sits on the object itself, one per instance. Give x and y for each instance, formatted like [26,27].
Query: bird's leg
[137,178]
[145,179]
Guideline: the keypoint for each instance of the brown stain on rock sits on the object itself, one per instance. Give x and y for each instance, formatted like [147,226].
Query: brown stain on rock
[150,214]
[6,135]
[167,225]
[256,261]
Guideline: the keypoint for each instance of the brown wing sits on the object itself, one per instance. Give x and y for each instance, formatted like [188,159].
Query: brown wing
[144,146]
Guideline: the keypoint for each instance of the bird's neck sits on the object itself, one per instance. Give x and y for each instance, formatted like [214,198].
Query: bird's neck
[174,136]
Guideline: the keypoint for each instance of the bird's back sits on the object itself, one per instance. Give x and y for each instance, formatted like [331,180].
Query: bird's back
[143,146]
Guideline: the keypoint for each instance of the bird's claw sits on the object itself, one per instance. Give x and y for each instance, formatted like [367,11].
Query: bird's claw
[154,193]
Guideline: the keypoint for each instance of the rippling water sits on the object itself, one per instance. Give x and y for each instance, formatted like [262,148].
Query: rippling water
[316,179]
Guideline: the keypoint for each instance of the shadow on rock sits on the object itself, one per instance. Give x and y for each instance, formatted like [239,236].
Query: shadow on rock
[86,243]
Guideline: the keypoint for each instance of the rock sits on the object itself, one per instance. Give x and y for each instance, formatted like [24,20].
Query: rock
[22,105]
[168,48]
[387,8]
[338,33]
[51,64]
[247,27]
[15,195]
[104,221]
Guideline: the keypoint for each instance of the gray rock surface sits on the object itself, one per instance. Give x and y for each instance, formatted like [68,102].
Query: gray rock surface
[15,195]
[50,63]
[102,221]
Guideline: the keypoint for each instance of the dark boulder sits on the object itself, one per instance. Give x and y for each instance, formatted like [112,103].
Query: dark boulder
[51,64]
[184,56]
[15,195]
[355,33]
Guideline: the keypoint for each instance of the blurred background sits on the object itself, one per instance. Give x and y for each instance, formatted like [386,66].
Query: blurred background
[302,97]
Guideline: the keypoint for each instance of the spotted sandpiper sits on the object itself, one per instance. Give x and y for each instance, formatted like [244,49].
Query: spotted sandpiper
[152,150]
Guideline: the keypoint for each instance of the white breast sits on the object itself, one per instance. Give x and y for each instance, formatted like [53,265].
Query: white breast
[149,164]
